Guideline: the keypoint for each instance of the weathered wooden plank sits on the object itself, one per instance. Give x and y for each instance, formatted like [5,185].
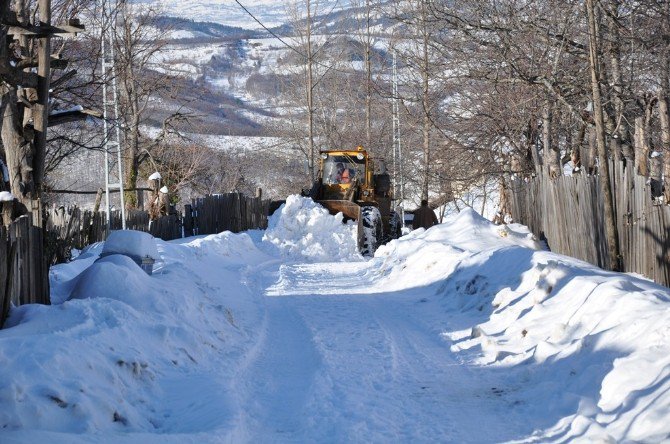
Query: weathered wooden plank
[566,206]
[5,295]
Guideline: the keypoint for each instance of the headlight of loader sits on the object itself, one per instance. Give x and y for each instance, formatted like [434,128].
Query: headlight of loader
[360,156]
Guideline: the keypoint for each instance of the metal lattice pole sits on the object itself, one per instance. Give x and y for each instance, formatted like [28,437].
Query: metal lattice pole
[398,184]
[111,123]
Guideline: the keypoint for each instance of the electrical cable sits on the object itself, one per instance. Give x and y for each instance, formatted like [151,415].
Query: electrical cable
[291,47]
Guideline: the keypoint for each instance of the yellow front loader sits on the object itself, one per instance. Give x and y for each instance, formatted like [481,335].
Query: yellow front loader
[347,183]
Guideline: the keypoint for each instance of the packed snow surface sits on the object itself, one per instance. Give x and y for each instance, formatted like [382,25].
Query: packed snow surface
[466,332]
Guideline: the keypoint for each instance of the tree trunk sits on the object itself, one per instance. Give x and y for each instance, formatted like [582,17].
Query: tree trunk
[604,176]
[663,105]
[368,78]
[551,153]
[576,150]
[427,124]
[592,154]
[18,150]
[665,139]
[621,143]
[532,145]
[310,99]
[641,147]
[130,85]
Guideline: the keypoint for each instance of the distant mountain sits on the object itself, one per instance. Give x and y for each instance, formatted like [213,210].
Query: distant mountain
[233,73]
[182,28]
[272,13]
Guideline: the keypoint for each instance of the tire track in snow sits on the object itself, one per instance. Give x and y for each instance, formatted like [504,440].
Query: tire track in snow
[446,399]
[276,377]
[339,360]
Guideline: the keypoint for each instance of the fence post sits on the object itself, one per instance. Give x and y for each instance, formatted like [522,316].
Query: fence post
[5,295]
[188,221]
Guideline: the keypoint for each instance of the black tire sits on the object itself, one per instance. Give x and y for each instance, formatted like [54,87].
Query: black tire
[395,226]
[369,231]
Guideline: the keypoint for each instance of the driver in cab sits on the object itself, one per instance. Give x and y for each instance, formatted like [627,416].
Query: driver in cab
[343,175]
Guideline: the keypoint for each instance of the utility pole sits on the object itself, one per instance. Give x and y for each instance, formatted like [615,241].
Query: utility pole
[398,183]
[41,109]
[368,78]
[26,140]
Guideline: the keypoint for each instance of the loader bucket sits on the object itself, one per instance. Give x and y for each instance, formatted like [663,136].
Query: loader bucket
[349,209]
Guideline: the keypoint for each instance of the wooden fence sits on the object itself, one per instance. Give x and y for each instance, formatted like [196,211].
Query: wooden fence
[79,228]
[233,212]
[76,228]
[22,245]
[568,212]
[24,271]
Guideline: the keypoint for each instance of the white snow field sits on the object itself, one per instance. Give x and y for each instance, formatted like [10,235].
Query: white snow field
[464,333]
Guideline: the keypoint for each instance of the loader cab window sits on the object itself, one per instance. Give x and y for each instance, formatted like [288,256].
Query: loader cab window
[343,169]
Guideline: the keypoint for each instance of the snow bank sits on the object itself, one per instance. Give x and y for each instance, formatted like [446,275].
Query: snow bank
[586,352]
[303,230]
[136,244]
[119,358]
[117,277]
[431,255]
[233,249]
[596,343]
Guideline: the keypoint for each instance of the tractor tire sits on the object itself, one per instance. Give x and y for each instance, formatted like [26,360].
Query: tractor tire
[395,225]
[369,231]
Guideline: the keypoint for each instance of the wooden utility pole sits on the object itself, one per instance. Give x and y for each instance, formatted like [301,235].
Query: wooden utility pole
[25,126]
[41,108]
[603,160]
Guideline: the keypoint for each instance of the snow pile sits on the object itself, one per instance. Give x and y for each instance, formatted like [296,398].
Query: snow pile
[117,277]
[303,230]
[63,278]
[431,255]
[126,349]
[586,352]
[132,243]
[596,343]
[234,249]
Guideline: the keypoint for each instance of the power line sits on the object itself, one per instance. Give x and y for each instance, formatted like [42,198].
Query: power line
[291,47]
[269,30]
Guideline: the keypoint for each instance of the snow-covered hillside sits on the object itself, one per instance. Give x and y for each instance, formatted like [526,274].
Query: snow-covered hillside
[271,13]
[466,332]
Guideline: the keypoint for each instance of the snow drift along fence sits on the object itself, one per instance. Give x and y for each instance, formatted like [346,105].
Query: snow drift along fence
[568,212]
[21,244]
[73,227]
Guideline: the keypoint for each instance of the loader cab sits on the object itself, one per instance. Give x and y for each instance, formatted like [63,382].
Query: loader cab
[343,168]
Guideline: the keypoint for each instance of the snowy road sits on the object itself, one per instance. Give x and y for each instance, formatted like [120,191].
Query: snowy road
[465,333]
[335,358]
